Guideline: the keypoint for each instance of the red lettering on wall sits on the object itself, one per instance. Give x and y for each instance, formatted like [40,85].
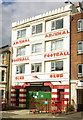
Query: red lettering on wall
[20,59]
[57,33]
[20,42]
[19,78]
[56,75]
[56,54]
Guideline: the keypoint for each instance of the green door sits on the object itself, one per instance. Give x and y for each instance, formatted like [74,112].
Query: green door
[37,95]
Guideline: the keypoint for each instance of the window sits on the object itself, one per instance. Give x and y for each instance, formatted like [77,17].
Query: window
[37,48]
[3,58]
[37,29]
[20,51]
[80,25]
[57,45]
[56,65]
[20,69]
[21,33]
[80,47]
[2,94]
[2,75]
[37,67]
[80,69]
[57,24]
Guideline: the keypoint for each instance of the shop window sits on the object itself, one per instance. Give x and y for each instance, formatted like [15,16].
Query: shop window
[20,69]
[37,67]
[57,45]
[80,47]
[57,66]
[37,29]
[21,33]
[80,70]
[57,24]
[80,25]
[2,75]
[21,51]
[37,48]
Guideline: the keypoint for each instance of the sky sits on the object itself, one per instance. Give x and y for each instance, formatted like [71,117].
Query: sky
[15,10]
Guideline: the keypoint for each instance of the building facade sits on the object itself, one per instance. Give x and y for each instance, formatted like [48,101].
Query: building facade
[5,74]
[41,57]
[77,60]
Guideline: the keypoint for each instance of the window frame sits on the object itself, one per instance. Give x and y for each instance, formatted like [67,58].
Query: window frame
[54,67]
[19,53]
[80,73]
[35,29]
[80,51]
[34,65]
[19,69]
[34,48]
[80,26]
[21,36]
[55,44]
[55,25]
[2,75]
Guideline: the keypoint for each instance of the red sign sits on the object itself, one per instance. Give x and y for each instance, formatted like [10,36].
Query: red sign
[57,33]
[19,78]
[56,54]
[20,59]
[20,42]
[56,75]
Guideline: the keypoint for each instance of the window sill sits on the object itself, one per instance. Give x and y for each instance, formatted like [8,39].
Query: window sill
[80,75]
[80,52]
[79,31]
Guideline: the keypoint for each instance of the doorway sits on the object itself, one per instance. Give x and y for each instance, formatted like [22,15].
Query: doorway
[80,100]
[17,97]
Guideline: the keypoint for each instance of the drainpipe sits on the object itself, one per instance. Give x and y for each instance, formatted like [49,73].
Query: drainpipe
[71,19]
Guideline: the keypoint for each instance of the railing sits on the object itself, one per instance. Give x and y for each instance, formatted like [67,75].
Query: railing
[53,106]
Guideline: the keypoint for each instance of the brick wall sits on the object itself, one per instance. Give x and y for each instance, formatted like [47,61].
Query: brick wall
[75,37]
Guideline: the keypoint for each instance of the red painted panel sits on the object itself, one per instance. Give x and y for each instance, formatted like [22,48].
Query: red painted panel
[22,92]
[22,97]
[13,101]
[61,87]
[21,102]
[13,92]
[54,93]
[13,97]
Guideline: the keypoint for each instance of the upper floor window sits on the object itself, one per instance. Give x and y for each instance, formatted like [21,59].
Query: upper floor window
[80,25]
[21,51]
[57,66]
[57,45]
[80,69]
[4,59]
[20,69]
[21,33]
[57,24]
[37,48]
[37,29]
[80,47]
[2,75]
[36,67]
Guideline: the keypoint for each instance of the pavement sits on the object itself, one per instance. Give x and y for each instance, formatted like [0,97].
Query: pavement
[24,114]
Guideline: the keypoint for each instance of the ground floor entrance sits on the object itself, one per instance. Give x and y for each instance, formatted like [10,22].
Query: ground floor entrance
[38,93]
[48,91]
[79,99]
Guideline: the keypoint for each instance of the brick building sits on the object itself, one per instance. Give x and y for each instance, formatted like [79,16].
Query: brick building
[5,74]
[76,62]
